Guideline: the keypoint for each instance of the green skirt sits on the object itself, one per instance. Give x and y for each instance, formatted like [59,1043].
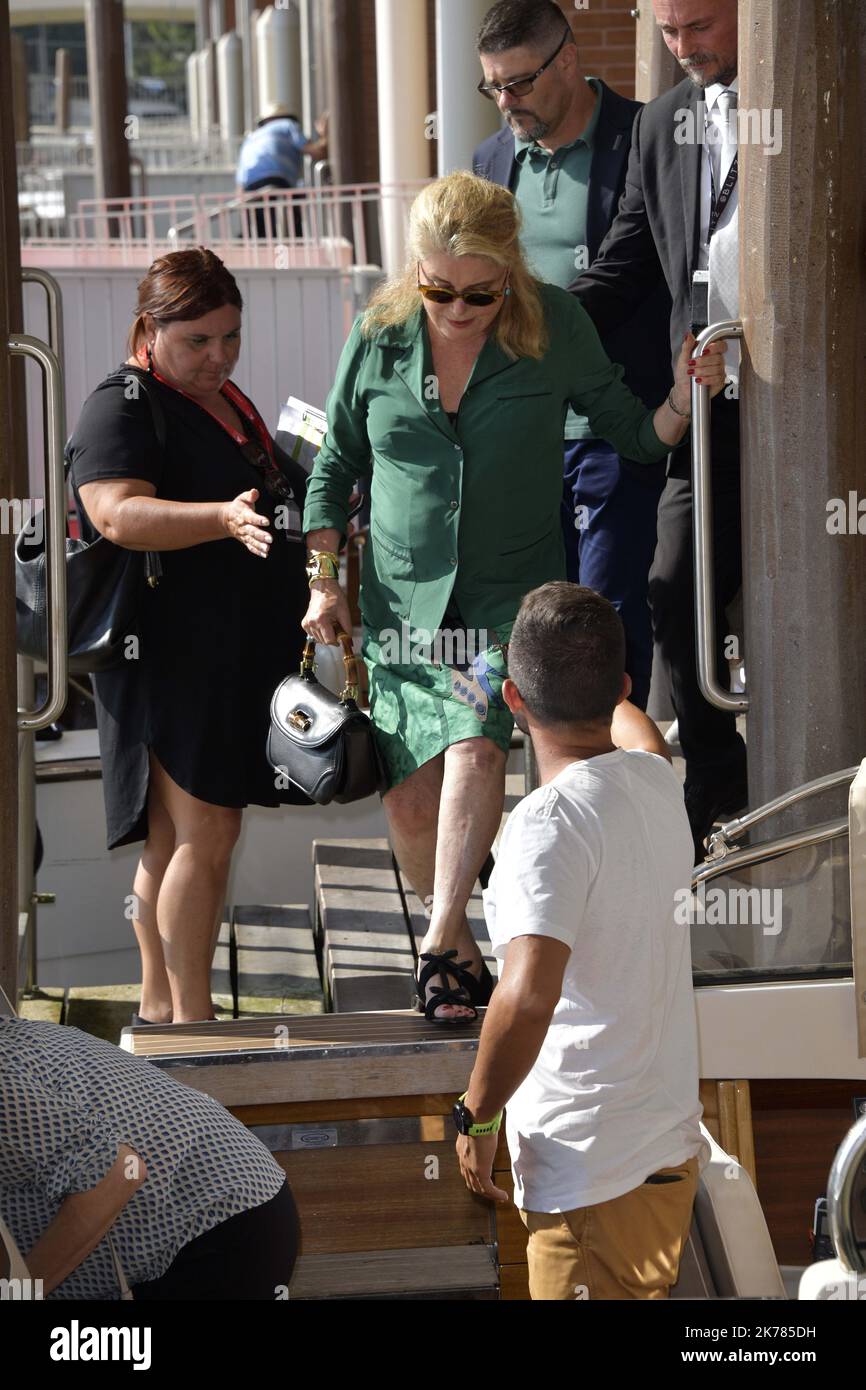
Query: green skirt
[423,699]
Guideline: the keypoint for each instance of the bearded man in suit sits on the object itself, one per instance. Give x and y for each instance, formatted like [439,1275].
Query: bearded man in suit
[673,220]
[563,152]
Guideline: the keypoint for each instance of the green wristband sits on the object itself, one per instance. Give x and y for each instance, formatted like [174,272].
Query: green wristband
[492,1126]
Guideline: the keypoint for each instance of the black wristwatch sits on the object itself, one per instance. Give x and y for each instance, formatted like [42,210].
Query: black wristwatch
[466,1125]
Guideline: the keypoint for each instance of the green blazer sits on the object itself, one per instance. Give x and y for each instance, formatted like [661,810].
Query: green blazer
[473,511]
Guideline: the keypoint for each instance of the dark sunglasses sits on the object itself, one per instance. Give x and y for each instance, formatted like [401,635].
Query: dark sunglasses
[274,480]
[476,299]
[523,85]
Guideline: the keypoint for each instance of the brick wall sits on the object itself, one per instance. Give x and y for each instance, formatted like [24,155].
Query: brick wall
[605,34]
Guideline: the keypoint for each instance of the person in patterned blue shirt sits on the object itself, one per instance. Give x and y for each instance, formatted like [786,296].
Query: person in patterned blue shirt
[94,1140]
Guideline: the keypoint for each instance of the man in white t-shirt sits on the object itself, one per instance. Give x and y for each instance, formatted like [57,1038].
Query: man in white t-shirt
[590,1037]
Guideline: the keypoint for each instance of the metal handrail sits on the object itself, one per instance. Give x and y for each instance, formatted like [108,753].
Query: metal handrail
[702,524]
[847,1165]
[720,840]
[769,849]
[54,296]
[23,345]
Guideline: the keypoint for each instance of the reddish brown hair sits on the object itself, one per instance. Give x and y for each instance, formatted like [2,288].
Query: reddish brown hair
[183,285]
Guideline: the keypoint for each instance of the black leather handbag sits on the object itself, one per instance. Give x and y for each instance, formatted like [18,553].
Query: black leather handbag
[105,585]
[323,743]
[104,589]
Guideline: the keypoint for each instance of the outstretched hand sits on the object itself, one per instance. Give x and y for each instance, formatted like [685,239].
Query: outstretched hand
[242,522]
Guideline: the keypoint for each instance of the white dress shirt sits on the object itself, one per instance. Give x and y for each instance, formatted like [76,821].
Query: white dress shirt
[721,256]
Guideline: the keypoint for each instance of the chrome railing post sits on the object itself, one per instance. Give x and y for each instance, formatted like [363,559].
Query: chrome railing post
[54,296]
[702,526]
[23,345]
[847,1167]
[720,840]
[55,431]
[857,880]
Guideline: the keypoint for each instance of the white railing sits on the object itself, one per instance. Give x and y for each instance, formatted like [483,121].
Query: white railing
[147,97]
[352,224]
[158,146]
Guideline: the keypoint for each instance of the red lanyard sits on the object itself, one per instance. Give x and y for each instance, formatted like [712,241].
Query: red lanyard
[240,402]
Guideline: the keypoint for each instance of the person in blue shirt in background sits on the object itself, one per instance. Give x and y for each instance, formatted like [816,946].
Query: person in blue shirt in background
[271,156]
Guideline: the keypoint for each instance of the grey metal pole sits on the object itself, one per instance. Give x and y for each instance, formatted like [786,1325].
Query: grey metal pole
[702,527]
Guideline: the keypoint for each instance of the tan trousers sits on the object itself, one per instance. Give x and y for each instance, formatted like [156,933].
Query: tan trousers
[629,1247]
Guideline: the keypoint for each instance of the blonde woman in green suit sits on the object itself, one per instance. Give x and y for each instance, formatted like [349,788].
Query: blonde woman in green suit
[452,392]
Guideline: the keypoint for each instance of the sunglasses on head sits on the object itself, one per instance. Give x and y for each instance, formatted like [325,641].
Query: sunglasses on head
[476,299]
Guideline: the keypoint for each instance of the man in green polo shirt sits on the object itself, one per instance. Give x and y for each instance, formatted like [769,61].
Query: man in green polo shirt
[563,152]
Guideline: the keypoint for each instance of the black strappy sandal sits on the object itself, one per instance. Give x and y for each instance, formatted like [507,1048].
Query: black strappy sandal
[471,992]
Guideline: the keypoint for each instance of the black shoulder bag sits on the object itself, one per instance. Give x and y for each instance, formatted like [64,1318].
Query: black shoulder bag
[323,742]
[104,587]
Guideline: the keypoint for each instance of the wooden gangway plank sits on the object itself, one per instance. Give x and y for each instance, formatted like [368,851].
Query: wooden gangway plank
[367,958]
[287,1032]
[451,1269]
[267,951]
[280,1059]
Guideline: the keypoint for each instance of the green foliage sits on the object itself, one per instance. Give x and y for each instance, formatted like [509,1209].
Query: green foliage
[161,47]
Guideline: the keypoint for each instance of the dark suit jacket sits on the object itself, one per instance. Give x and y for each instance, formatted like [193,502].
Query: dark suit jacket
[639,341]
[654,239]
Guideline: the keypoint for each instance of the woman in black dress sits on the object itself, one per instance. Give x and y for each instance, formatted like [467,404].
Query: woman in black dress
[183,719]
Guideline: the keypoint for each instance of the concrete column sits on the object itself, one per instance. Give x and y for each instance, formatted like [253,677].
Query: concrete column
[803,392]
[308,113]
[401,68]
[656,68]
[207,106]
[230,83]
[217,19]
[63,89]
[202,22]
[106,70]
[245,27]
[463,117]
[192,100]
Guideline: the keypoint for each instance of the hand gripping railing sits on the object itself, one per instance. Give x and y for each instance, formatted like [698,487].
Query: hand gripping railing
[702,523]
[841,1197]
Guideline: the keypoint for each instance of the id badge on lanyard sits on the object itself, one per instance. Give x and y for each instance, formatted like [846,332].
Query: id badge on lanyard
[700,301]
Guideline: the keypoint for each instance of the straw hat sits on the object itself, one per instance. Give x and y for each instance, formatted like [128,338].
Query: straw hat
[275,108]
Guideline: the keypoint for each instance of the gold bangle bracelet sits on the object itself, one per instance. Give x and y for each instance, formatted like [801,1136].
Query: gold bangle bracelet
[322,564]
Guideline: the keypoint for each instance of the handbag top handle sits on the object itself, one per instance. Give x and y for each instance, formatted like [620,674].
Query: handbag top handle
[350,661]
